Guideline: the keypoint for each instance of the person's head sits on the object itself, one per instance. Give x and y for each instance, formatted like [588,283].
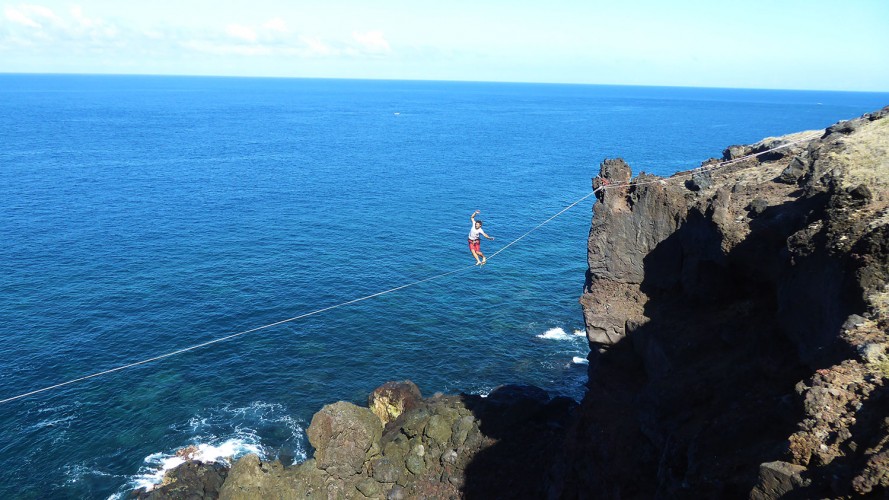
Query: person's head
[478,224]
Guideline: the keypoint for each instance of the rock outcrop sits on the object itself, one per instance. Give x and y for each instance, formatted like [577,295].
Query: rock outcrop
[438,447]
[737,316]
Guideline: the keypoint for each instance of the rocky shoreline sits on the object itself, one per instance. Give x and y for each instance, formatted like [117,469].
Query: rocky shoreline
[401,446]
[737,318]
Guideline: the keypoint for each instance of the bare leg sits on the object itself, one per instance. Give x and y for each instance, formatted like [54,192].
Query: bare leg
[484,260]
[477,261]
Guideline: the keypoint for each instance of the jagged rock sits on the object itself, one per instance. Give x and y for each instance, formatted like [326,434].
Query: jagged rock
[699,180]
[190,480]
[396,448]
[873,352]
[252,478]
[777,479]
[342,435]
[690,294]
[415,464]
[414,422]
[462,427]
[844,127]
[861,194]
[438,429]
[392,399]
[875,475]
[757,207]
[397,493]
[629,223]
[385,471]
[733,152]
[368,487]
[854,320]
[793,172]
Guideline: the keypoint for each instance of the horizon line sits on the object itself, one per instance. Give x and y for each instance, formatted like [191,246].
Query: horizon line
[272,77]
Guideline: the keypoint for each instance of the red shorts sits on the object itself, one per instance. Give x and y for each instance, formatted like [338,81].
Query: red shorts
[475,245]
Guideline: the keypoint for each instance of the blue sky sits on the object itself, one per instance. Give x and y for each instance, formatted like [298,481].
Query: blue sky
[793,44]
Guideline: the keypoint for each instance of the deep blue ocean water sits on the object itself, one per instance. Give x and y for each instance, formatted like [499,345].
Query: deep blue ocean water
[141,215]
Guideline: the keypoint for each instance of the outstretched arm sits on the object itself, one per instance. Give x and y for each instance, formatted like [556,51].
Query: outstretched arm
[472,217]
[486,235]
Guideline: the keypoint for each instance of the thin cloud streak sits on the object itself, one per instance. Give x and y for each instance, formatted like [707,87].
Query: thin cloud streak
[38,27]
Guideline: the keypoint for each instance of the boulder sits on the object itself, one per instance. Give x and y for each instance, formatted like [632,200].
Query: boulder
[397,493]
[845,127]
[415,464]
[438,429]
[699,181]
[385,471]
[251,478]
[733,152]
[392,399]
[777,479]
[343,434]
[793,172]
[368,487]
[757,207]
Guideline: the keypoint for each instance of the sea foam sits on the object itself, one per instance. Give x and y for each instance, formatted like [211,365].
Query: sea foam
[558,333]
[221,435]
[554,334]
[157,464]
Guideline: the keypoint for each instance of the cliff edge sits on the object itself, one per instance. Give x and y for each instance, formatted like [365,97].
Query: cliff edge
[737,315]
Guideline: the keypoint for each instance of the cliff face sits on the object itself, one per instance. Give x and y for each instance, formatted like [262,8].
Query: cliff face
[737,316]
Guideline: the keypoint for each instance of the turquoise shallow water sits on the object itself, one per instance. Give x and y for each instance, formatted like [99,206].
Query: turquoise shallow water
[141,215]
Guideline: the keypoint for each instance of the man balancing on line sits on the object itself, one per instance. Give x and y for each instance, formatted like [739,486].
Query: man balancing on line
[474,242]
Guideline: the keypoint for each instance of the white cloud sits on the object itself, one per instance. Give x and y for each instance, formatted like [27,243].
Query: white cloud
[277,24]
[19,16]
[223,49]
[74,31]
[39,26]
[238,31]
[77,14]
[372,41]
[315,47]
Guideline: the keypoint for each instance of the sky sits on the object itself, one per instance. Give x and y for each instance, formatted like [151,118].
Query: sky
[776,44]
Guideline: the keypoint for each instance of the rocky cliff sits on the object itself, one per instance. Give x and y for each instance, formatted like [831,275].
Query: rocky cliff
[737,318]
[737,315]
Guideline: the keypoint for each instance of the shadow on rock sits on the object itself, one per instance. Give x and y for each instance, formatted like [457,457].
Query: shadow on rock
[528,428]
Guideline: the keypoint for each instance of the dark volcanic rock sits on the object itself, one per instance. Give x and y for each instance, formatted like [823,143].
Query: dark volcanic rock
[699,180]
[392,399]
[343,436]
[725,358]
[843,127]
[757,207]
[734,152]
[191,480]
[438,447]
[793,172]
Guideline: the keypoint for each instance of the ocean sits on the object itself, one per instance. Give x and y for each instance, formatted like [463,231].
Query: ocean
[141,215]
